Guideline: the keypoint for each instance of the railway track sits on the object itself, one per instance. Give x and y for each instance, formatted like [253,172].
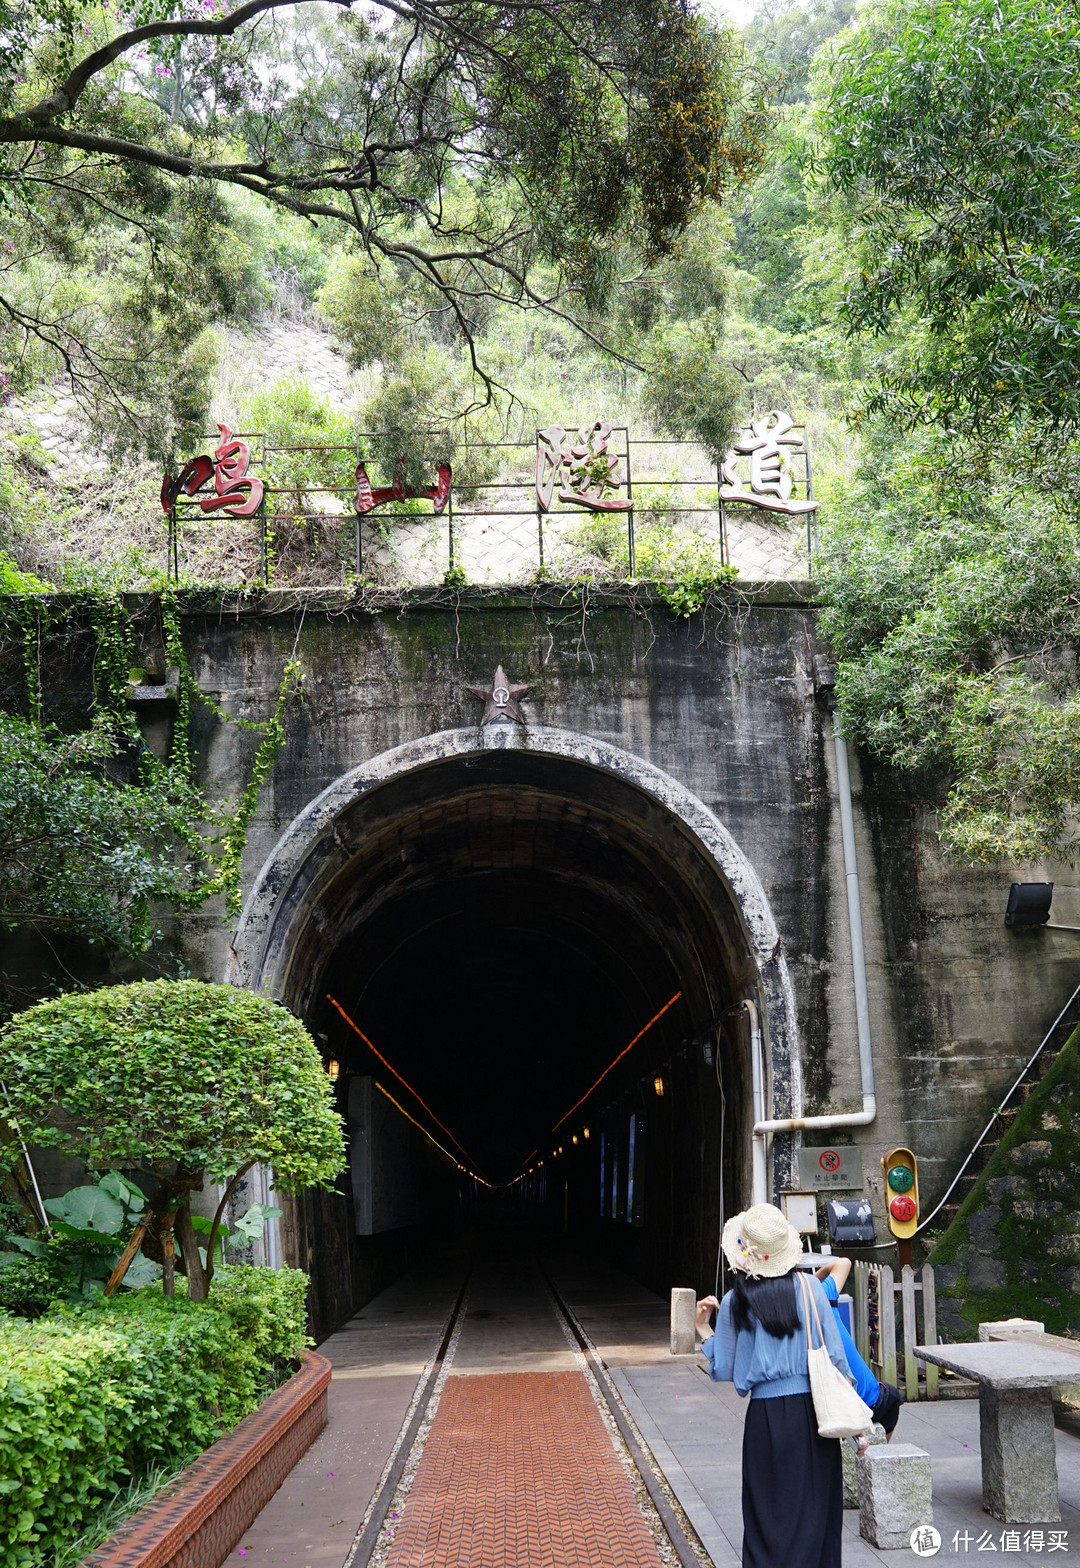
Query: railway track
[371,1544]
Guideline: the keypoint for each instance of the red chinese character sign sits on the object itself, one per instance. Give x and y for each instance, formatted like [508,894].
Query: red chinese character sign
[236,492]
[587,471]
[369,496]
[770,443]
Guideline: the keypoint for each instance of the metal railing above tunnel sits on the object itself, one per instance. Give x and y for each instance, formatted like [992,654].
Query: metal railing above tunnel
[510,512]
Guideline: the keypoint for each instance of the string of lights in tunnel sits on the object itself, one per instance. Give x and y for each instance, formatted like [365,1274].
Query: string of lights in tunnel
[420,1101]
[613,1063]
[442,1150]
[655,1017]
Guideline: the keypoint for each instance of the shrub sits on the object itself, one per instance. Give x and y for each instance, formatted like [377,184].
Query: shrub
[29,1286]
[94,1397]
[179,1080]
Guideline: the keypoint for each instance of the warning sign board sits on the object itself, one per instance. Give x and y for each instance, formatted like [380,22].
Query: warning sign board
[829,1167]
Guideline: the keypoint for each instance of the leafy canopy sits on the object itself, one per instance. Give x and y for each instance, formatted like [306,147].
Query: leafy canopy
[79,850]
[490,150]
[951,577]
[952,132]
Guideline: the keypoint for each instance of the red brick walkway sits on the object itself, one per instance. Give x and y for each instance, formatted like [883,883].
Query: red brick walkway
[519,1472]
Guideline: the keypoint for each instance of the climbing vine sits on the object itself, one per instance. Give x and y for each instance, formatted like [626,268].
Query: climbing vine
[115,828]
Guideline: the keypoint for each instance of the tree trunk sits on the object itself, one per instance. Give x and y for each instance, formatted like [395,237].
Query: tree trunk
[198,1282]
[168,1248]
[123,1263]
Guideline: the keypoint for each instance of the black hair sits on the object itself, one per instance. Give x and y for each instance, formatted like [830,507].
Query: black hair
[771,1301]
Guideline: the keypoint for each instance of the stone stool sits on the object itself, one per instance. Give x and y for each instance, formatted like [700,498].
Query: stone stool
[894,1493]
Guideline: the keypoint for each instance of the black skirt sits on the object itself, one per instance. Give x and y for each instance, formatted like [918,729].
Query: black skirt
[792,1487]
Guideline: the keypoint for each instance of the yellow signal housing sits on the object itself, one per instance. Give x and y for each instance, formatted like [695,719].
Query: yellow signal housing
[901,1192]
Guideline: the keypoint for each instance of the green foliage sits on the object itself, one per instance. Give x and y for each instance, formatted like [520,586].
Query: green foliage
[690,392]
[30,1285]
[94,827]
[488,152]
[122,1506]
[363,307]
[12,580]
[94,1398]
[171,1075]
[290,414]
[1013,1249]
[952,604]
[952,135]
[683,566]
[80,850]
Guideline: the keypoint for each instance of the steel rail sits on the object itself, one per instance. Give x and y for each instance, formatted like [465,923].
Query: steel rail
[360,1554]
[680,1541]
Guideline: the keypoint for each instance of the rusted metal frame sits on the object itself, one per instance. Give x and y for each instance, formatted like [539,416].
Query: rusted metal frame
[450,528]
[631,542]
[811,517]
[539,508]
[722,517]
[264,553]
[359,519]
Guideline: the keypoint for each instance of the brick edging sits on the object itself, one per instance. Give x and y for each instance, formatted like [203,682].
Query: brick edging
[197,1520]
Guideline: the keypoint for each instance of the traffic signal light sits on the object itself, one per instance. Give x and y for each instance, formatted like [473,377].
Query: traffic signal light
[901,1192]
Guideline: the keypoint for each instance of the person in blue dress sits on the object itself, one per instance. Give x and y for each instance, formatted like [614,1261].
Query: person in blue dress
[792,1485]
[883,1398]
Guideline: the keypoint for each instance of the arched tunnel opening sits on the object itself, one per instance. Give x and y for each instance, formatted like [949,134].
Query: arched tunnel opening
[484,938]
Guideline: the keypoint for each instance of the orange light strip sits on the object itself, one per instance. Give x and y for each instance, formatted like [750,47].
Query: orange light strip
[474,1174]
[618,1059]
[335,1003]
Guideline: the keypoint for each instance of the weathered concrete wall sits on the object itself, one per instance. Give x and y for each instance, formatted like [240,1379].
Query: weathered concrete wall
[729,709]
[1014,1248]
[958,1001]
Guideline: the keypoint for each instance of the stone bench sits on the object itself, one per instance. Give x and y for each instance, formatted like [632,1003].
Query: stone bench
[1016,1377]
[894,1493]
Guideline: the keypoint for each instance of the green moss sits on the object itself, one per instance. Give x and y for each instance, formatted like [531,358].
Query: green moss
[1013,1249]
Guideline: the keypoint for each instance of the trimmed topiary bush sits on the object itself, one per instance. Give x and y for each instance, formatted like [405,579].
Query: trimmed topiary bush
[93,1398]
[181,1080]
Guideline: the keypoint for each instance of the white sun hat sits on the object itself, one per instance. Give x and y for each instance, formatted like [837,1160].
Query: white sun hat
[760,1242]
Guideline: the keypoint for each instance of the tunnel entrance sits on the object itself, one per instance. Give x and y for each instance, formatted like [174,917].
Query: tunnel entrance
[476,929]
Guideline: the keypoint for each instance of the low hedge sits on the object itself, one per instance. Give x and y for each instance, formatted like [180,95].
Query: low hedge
[95,1396]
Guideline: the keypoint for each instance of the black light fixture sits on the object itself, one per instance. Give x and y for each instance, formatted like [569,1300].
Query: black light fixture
[851,1223]
[1029,904]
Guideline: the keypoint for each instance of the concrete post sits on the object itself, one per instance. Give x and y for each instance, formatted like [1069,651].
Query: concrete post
[683,1307]
[894,1493]
[850,1462]
[1009,1328]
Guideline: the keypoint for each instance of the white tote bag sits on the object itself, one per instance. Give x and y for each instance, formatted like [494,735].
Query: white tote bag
[839,1410]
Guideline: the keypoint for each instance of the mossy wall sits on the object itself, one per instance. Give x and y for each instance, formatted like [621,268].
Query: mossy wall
[1013,1250]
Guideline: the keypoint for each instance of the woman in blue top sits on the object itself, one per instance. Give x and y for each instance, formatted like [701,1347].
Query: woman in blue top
[792,1486]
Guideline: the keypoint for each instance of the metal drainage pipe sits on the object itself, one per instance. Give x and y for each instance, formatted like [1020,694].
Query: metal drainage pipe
[762,1126]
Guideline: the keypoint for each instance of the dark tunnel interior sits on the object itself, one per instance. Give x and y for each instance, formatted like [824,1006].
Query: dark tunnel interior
[491,935]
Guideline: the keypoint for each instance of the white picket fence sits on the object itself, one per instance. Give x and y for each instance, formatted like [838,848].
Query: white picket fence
[874,1295]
